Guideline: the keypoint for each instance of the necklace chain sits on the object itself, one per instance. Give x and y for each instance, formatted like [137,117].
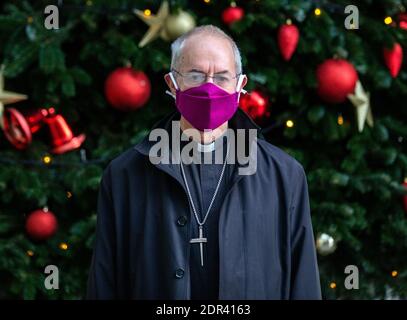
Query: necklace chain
[214,194]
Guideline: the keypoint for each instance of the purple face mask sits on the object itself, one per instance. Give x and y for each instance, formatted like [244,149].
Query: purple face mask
[207,106]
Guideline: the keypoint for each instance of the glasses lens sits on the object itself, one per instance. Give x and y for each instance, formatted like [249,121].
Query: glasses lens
[194,78]
[222,81]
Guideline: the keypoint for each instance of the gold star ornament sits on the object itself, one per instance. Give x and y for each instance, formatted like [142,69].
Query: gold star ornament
[361,101]
[155,22]
[165,25]
[7,97]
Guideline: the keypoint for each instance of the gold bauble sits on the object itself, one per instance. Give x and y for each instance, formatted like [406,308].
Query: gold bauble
[325,244]
[178,23]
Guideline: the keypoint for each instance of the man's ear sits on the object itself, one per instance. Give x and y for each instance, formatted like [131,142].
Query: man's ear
[170,84]
[244,81]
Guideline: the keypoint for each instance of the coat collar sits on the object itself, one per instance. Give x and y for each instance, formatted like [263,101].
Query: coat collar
[240,120]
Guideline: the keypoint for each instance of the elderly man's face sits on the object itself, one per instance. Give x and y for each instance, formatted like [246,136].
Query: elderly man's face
[210,55]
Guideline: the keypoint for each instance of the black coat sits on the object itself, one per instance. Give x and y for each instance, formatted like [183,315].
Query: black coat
[266,242]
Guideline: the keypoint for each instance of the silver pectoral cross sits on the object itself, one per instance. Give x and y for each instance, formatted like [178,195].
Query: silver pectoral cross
[200,240]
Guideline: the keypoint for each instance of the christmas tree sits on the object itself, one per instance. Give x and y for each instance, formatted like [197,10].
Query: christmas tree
[82,82]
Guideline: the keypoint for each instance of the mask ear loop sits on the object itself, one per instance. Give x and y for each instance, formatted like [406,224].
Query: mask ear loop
[175,85]
[239,83]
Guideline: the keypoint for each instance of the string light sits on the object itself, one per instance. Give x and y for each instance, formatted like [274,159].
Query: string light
[147,12]
[289,123]
[332,285]
[340,120]
[58,163]
[388,20]
[317,11]
[30,253]
[394,273]
[207,1]
[63,246]
[68,194]
[46,159]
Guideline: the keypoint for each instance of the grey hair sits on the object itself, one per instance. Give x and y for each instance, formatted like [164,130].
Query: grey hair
[176,46]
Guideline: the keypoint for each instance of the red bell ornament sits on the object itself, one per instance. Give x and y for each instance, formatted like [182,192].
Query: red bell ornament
[19,128]
[62,137]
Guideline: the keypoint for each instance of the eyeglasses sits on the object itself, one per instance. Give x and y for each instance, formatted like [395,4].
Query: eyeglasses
[194,78]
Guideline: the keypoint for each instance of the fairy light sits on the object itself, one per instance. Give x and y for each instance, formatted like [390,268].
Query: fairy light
[69,194]
[30,253]
[394,273]
[207,1]
[147,12]
[388,20]
[332,285]
[340,120]
[47,159]
[317,12]
[289,123]
[63,246]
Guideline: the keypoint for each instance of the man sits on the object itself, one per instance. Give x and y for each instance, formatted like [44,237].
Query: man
[204,229]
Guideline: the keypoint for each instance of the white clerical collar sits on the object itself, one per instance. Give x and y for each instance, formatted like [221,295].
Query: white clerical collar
[209,147]
[206,147]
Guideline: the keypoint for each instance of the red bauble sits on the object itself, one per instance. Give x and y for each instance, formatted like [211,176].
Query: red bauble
[41,224]
[127,89]
[393,59]
[336,79]
[288,36]
[232,14]
[403,20]
[255,104]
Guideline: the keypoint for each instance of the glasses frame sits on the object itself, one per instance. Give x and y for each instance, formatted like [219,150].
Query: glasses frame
[207,76]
